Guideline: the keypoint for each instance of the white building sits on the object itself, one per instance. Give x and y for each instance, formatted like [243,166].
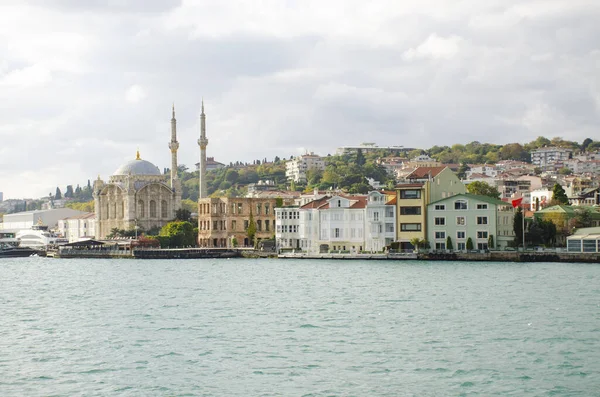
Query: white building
[550,157]
[79,227]
[338,223]
[540,199]
[486,170]
[583,166]
[296,168]
[28,219]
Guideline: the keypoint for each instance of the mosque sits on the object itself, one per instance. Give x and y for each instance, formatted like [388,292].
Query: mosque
[138,196]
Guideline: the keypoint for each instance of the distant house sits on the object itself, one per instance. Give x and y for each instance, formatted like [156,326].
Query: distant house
[211,164]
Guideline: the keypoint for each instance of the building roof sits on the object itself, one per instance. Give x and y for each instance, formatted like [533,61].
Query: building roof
[425,172]
[137,167]
[87,215]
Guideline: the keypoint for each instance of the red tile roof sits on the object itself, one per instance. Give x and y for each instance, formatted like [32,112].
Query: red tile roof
[425,172]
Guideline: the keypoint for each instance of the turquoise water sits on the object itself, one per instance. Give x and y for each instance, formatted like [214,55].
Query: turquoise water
[298,328]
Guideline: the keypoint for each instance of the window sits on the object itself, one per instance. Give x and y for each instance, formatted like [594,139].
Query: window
[389,212]
[239,208]
[152,209]
[389,227]
[410,194]
[410,227]
[141,212]
[461,234]
[163,209]
[440,235]
[482,206]
[245,225]
[336,232]
[482,234]
[482,246]
[376,216]
[267,209]
[259,225]
[258,208]
[460,220]
[233,225]
[267,228]
[461,246]
[439,221]
[410,210]
[440,207]
[482,220]
[440,246]
[460,205]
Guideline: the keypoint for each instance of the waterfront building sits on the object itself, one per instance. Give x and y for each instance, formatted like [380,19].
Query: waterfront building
[487,221]
[224,221]
[419,188]
[28,219]
[78,227]
[361,223]
[296,168]
[586,239]
[590,196]
[550,157]
[137,195]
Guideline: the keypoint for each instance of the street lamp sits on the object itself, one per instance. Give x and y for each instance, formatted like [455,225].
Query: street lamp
[136,227]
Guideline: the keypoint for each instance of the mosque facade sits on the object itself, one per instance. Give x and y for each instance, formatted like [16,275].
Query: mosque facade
[137,195]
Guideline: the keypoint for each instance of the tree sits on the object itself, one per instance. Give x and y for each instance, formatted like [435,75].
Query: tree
[483,189]
[518,226]
[462,170]
[183,215]
[582,218]
[565,171]
[491,241]
[541,232]
[180,234]
[69,191]
[360,158]
[58,194]
[449,243]
[559,196]
[469,244]
[586,142]
[251,230]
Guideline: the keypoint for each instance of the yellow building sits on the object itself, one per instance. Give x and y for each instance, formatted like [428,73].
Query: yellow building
[422,186]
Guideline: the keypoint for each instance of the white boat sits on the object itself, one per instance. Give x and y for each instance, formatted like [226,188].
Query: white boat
[39,237]
[9,239]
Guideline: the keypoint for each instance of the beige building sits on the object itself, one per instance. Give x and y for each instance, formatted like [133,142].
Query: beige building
[224,221]
[137,195]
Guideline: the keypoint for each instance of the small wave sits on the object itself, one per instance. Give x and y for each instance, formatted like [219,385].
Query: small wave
[309,326]
[168,354]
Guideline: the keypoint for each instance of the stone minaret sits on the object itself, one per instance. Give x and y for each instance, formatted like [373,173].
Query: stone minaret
[202,142]
[173,145]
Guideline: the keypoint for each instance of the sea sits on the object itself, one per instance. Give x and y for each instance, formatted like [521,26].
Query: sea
[278,327]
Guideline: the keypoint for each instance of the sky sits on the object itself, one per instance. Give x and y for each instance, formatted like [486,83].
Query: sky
[84,84]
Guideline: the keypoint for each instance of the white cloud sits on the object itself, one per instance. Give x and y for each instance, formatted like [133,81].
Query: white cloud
[435,47]
[27,77]
[277,76]
[135,93]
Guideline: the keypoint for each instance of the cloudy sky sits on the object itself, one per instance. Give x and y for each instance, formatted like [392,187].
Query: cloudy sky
[83,84]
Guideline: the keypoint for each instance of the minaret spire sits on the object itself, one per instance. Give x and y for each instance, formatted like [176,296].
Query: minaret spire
[202,142]
[173,145]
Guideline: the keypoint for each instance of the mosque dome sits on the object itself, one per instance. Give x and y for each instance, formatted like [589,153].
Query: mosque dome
[137,167]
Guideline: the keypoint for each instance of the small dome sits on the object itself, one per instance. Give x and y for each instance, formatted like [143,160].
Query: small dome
[137,167]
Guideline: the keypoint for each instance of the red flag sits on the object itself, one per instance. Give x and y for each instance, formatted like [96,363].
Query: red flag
[517,202]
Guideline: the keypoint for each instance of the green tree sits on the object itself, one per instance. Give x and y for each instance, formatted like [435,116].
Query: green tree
[582,218]
[69,191]
[58,194]
[565,171]
[469,244]
[559,196]
[180,234]
[518,226]
[360,157]
[449,245]
[462,170]
[491,241]
[251,230]
[483,189]
[183,215]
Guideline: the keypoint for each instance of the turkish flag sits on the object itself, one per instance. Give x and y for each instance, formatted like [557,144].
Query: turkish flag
[517,202]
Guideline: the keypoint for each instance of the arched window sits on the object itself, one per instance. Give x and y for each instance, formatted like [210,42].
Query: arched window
[141,212]
[163,209]
[152,209]
[113,211]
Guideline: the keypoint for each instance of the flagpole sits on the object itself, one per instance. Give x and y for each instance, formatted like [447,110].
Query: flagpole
[523,216]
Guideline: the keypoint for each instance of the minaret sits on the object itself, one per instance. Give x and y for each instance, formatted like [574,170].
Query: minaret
[202,142]
[173,145]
